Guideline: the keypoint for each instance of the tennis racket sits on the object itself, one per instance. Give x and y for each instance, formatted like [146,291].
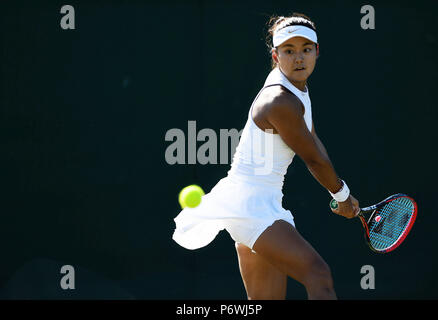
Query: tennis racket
[388,222]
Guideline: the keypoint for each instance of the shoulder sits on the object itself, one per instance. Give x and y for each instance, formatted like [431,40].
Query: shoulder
[278,100]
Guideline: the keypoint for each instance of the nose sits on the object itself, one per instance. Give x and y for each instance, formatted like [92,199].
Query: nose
[299,57]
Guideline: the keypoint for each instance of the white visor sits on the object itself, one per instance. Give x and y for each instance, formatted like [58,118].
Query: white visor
[293,31]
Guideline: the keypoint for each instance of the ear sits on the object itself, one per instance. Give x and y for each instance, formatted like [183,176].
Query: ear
[317,51]
[274,55]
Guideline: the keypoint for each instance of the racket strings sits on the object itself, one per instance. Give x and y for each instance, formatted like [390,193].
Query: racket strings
[393,220]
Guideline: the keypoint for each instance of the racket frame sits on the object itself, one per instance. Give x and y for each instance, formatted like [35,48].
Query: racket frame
[373,209]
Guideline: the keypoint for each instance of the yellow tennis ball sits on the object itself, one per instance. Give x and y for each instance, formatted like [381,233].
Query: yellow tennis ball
[190,196]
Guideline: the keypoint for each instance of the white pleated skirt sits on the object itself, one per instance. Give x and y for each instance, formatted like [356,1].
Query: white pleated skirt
[242,208]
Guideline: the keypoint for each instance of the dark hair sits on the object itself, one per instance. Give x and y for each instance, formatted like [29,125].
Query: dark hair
[276,23]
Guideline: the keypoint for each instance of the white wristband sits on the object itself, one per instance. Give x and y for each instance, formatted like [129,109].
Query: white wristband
[342,194]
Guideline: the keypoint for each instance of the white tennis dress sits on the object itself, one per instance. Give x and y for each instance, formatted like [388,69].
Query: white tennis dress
[249,198]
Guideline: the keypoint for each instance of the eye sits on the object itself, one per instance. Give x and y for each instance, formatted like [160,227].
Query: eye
[307,50]
[289,51]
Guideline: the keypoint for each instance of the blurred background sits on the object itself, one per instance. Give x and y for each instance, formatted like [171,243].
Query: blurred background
[84,114]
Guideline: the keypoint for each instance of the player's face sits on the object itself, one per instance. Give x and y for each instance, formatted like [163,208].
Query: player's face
[296,58]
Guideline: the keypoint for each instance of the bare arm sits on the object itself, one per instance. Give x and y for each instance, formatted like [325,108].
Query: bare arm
[286,116]
[318,142]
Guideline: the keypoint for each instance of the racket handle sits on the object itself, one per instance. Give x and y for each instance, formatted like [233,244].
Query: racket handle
[333,204]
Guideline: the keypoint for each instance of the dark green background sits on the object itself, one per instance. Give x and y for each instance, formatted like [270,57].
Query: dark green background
[84,114]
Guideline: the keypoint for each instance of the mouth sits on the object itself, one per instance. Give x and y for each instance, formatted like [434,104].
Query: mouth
[299,69]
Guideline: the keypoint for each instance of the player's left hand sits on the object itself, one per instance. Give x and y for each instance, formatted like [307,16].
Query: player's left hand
[348,208]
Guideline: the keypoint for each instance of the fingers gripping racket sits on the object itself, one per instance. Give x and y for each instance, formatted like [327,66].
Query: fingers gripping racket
[388,222]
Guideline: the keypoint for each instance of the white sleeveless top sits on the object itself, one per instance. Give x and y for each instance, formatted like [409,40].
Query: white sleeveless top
[249,198]
[262,157]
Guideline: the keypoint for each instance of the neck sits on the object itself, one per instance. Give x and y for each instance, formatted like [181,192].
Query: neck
[299,84]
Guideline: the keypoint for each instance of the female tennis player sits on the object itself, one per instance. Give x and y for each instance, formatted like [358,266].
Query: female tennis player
[248,201]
